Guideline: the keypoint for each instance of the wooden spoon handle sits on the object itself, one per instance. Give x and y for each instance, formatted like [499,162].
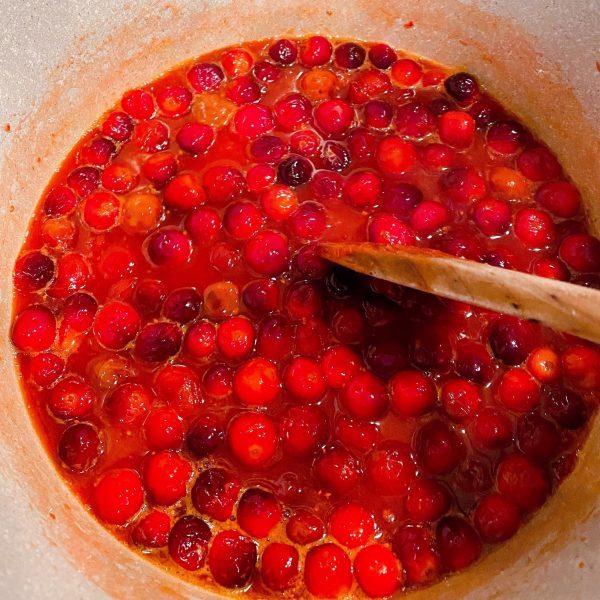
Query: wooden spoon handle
[563,306]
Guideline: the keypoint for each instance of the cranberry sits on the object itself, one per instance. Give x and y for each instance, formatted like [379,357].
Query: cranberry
[544,364]
[236,62]
[427,500]
[168,247]
[390,468]
[413,546]
[256,382]
[60,201]
[505,137]
[567,408]
[362,144]
[338,470]
[203,225]
[511,339]
[128,405]
[537,437]
[387,229]
[349,56]
[414,120]
[457,129]
[492,429]
[232,559]
[292,111]
[364,397]
[522,481]
[163,429]
[84,180]
[334,156]
[80,447]
[252,439]
[377,571]
[138,104]
[159,168]
[205,77]
[243,90]
[492,216]
[215,493]
[458,542]
[117,496]
[173,100]
[412,393]
[158,342]
[267,253]
[195,138]
[339,364]
[334,117]
[304,528]
[460,399]
[153,530]
[118,126]
[261,296]
[382,56]
[308,222]
[116,324]
[538,164]
[496,518]
[581,366]
[295,171]
[400,198]
[260,177]
[438,448]
[438,156]
[303,429]
[304,380]
[310,263]
[367,85]
[266,72]
[33,272]
[72,398]
[166,475]
[428,217]
[279,566]
[253,120]
[362,189]
[119,179]
[518,391]
[351,525]
[327,571]
[151,136]
[315,51]
[581,252]
[179,386]
[268,149]
[204,435]
[560,198]
[462,87]
[218,381]
[395,156]
[45,368]
[188,542]
[258,512]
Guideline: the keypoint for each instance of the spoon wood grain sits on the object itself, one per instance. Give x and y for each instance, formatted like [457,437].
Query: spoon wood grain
[563,306]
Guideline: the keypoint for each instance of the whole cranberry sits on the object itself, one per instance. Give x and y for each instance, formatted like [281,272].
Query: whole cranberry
[215,493]
[303,430]
[364,397]
[492,429]
[537,438]
[412,393]
[166,475]
[523,482]
[256,382]
[390,468]
[158,342]
[496,518]
[163,429]
[72,398]
[458,542]
[338,470]
[414,547]
[518,391]
[182,305]
[438,448]
[351,525]
[267,253]
[327,571]
[315,51]
[427,500]
[128,405]
[205,77]
[567,408]
[252,439]
[382,56]
[168,247]
[195,138]
[188,542]
[80,447]
[232,559]
[204,435]
[279,566]
[34,329]
[295,171]
[258,512]
[378,571]
[33,271]
[511,339]
[152,531]
[462,87]
[349,56]
[304,527]
[117,496]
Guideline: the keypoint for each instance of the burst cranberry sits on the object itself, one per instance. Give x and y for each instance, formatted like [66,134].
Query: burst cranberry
[169,247]
[252,439]
[205,77]
[128,404]
[80,447]
[327,571]
[367,85]
[163,429]
[139,104]
[458,542]
[253,120]
[267,253]
[236,61]
[117,496]
[232,559]
[158,342]
[33,272]
[460,399]
[179,386]
[166,475]
[378,571]
[522,481]
[414,547]
[188,542]
[279,566]
[438,448]
[151,136]
[153,530]
[412,393]
[567,408]
[215,493]
[258,512]
[537,437]
[462,87]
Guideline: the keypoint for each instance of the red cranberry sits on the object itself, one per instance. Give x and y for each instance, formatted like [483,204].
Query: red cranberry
[119,179]
[492,429]
[279,566]
[537,437]
[151,136]
[153,530]
[232,559]
[406,72]
[128,405]
[395,156]
[338,470]
[496,518]
[304,528]
[173,100]
[116,324]
[457,129]
[215,493]
[310,263]
[581,252]
[377,571]
[71,398]
[84,180]
[400,198]
[261,296]
[505,137]
[362,189]
[339,364]
[382,56]
[486,112]
[118,126]
[205,77]
[268,149]
[327,571]
[98,153]
[260,177]
[315,51]
[560,198]
[334,117]
[166,475]
[179,386]
[218,381]
[303,429]
[195,138]
[567,408]
[45,368]
[581,365]
[414,120]
[413,546]
[267,253]
[80,447]
[511,339]
[538,164]
[390,468]
[188,542]
[462,87]
[438,156]
[334,156]
[292,111]
[460,399]
[427,501]
[388,229]
[158,342]
[243,90]
[204,435]
[182,305]
[266,72]
[304,380]
[351,525]
[163,429]
[168,247]
[349,56]
[235,338]
[362,144]
[474,362]
[364,397]
[428,217]
[258,512]
[60,201]
[463,185]
[518,391]
[534,228]
[431,349]
[492,216]
[201,340]
[139,104]
[253,120]
[256,382]
[412,393]
[252,439]
[458,543]
[438,448]
[117,496]
[522,481]
[283,52]
[158,169]
[33,272]
[223,184]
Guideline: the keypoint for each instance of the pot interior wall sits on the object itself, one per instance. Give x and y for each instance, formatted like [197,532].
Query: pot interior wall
[64,65]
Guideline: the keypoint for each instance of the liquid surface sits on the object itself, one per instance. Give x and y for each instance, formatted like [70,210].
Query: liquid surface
[251,417]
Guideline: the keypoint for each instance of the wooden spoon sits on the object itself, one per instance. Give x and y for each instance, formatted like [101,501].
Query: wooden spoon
[574,309]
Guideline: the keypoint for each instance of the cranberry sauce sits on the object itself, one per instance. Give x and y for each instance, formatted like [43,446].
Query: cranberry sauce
[246,414]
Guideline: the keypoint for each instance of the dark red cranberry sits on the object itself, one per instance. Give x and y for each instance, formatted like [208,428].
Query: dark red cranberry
[390,468]
[169,247]
[438,448]
[567,408]
[232,559]
[427,500]
[496,518]
[182,305]
[474,362]
[158,342]
[334,156]
[268,149]
[195,138]
[215,493]
[33,272]
[80,447]
[279,566]
[205,77]
[382,56]
[84,180]
[243,90]
[400,198]
[188,542]
[505,137]
[267,253]
[537,437]
[204,435]
[60,201]
[258,512]
[522,481]
[414,120]
[295,171]
[462,87]
[148,296]
[284,52]
[414,547]
[118,126]
[511,339]
[492,429]
[266,72]
[349,56]
[485,112]
[261,296]
[458,542]
[560,198]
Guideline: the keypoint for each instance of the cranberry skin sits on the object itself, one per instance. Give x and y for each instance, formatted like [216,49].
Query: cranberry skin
[60,202]
[428,217]
[438,448]
[458,543]
[457,129]
[153,530]
[349,56]
[414,120]
[291,112]
[390,468]
[523,482]
[382,56]
[253,120]
[304,528]
[267,253]
[158,342]
[118,126]
[45,368]
[128,405]
[163,430]
[492,430]
[117,496]
[179,386]
[327,571]
[223,184]
[538,164]
[166,475]
[351,525]
[496,518]
[413,546]
[537,438]
[518,391]
[512,339]
[378,572]
[71,398]
[252,439]
[232,559]
[315,51]
[338,470]
[258,512]
[169,247]
[205,77]
[33,272]
[567,408]
[204,435]
[462,87]
[256,382]
[116,324]
[215,493]
[80,447]
[581,252]
[139,104]
[34,329]
[412,393]
[560,198]
[279,566]
[460,399]
[395,156]
[303,429]
[188,542]
[364,397]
